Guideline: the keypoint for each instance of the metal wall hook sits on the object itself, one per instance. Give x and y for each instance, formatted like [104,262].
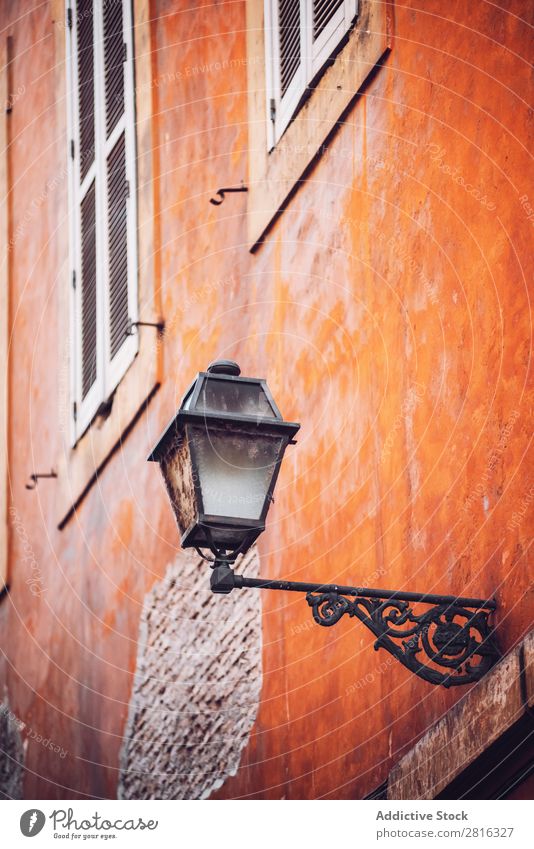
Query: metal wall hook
[222,192]
[160,325]
[34,478]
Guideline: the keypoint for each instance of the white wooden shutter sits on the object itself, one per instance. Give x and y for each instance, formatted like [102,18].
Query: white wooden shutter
[87,315]
[286,62]
[328,22]
[300,37]
[119,179]
[102,201]
[88,293]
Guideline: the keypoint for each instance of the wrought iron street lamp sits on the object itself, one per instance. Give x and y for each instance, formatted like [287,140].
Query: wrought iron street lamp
[220,457]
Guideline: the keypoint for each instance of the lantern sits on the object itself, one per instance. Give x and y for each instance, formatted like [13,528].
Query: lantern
[220,457]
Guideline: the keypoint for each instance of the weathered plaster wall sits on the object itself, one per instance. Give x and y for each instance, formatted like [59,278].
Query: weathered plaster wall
[389,310]
[196,688]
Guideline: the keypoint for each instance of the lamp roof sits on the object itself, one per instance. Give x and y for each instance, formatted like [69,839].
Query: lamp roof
[221,395]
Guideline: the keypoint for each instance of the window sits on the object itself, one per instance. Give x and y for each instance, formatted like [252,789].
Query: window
[102,210]
[276,170]
[301,36]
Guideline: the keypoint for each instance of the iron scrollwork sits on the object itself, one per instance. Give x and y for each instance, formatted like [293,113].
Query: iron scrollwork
[456,641]
[450,643]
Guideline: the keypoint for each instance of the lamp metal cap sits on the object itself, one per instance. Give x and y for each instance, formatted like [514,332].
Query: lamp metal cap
[224,367]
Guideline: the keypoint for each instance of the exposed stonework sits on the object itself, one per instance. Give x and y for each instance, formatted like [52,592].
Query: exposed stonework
[11,754]
[196,687]
[462,735]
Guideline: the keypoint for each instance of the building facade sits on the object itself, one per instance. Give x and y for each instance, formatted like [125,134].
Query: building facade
[376,272]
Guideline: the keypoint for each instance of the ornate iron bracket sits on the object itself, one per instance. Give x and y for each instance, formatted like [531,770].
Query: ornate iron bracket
[450,635]
[451,643]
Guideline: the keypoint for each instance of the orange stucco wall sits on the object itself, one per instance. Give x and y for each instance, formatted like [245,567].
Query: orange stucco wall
[389,309]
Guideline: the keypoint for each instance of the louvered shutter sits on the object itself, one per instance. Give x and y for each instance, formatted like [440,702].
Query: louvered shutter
[300,37]
[329,21]
[118,245]
[119,178]
[114,62]
[322,13]
[88,292]
[286,64]
[289,38]
[102,207]
[86,86]
[88,373]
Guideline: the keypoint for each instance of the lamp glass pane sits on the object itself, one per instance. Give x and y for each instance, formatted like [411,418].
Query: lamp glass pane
[235,470]
[235,397]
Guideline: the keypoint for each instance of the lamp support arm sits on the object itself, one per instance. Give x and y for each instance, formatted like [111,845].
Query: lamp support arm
[449,643]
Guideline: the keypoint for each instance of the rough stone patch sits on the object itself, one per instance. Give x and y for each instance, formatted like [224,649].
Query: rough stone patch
[11,754]
[196,688]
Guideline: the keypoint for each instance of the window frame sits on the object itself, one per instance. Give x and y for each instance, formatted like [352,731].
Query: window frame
[314,57]
[79,466]
[109,372]
[275,176]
